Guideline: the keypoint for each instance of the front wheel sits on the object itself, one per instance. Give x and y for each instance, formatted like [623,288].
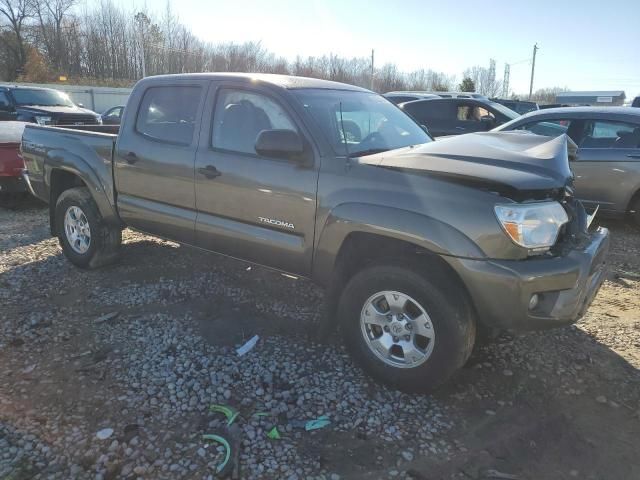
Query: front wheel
[634,211]
[405,329]
[85,239]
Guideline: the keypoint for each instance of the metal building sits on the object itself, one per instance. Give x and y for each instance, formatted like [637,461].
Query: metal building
[602,98]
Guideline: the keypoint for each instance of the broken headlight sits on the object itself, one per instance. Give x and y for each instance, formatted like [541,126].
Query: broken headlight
[532,225]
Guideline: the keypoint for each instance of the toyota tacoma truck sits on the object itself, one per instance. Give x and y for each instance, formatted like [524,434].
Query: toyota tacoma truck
[419,244]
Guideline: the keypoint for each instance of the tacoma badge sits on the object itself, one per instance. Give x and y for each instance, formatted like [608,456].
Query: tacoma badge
[279,223]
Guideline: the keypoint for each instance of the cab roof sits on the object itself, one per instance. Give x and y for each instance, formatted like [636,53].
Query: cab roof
[283,81]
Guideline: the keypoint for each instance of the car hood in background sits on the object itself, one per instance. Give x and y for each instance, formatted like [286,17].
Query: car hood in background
[55,110]
[506,162]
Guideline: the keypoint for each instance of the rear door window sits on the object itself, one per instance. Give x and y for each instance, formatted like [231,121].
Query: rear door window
[168,114]
[607,134]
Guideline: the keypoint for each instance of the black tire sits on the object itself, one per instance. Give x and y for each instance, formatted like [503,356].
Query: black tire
[634,211]
[442,299]
[105,239]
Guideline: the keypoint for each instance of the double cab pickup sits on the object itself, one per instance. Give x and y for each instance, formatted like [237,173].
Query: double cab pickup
[419,244]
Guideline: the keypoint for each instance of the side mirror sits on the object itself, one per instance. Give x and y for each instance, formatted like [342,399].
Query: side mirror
[81,105]
[5,107]
[284,144]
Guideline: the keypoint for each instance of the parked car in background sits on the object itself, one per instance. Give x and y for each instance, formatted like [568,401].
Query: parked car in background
[11,163]
[607,162]
[416,241]
[459,95]
[545,106]
[408,96]
[455,116]
[112,116]
[636,102]
[43,106]
[518,106]
[401,97]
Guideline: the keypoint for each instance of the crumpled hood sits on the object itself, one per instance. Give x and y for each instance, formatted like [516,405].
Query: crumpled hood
[515,161]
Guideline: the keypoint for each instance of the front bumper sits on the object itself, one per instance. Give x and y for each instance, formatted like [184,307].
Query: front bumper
[566,285]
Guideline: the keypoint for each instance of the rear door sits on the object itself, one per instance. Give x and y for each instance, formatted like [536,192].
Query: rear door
[155,156]
[607,168]
[439,116]
[249,206]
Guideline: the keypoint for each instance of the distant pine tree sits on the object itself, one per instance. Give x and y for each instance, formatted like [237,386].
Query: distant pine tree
[467,85]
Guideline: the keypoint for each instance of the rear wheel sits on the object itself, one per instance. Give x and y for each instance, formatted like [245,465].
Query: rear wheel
[405,329]
[84,237]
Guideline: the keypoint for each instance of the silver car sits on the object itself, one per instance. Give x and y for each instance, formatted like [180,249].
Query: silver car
[607,164]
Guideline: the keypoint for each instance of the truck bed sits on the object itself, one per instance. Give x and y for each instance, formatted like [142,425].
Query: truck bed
[86,147]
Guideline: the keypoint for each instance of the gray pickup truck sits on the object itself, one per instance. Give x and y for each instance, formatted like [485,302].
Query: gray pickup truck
[419,244]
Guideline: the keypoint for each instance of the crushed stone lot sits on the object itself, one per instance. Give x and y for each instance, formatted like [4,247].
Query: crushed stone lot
[110,374]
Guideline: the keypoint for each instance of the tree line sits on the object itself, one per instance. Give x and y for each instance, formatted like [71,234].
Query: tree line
[103,44]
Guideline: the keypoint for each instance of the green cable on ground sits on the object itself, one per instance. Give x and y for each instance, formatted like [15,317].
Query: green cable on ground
[222,441]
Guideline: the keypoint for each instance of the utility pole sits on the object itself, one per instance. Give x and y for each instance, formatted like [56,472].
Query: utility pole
[533,69]
[141,33]
[505,80]
[372,70]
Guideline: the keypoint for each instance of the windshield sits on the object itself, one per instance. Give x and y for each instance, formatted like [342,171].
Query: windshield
[507,112]
[360,123]
[46,98]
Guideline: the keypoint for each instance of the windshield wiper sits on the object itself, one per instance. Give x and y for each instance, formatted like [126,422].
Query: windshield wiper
[369,151]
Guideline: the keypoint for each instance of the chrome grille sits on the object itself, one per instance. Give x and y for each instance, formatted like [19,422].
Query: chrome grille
[76,120]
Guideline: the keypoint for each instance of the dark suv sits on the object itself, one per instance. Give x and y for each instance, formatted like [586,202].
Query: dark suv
[454,116]
[43,106]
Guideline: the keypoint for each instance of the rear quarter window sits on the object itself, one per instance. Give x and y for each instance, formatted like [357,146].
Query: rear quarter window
[168,114]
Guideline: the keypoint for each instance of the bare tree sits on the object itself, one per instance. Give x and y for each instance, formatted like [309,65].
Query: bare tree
[14,15]
[51,15]
[547,95]
[106,43]
[484,79]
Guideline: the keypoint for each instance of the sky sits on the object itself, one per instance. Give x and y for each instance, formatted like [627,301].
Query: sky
[584,44]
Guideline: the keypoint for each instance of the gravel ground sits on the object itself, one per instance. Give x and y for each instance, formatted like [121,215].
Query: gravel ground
[139,351]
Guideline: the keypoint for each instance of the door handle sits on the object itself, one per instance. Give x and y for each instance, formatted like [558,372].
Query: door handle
[209,171]
[460,128]
[131,158]
[634,155]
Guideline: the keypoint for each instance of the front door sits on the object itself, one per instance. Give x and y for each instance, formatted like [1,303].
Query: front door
[249,206]
[155,156]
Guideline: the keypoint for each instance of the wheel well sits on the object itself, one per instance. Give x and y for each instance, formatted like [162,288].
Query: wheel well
[359,250]
[61,180]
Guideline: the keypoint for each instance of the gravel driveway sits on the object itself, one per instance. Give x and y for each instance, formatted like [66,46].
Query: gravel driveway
[140,350]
